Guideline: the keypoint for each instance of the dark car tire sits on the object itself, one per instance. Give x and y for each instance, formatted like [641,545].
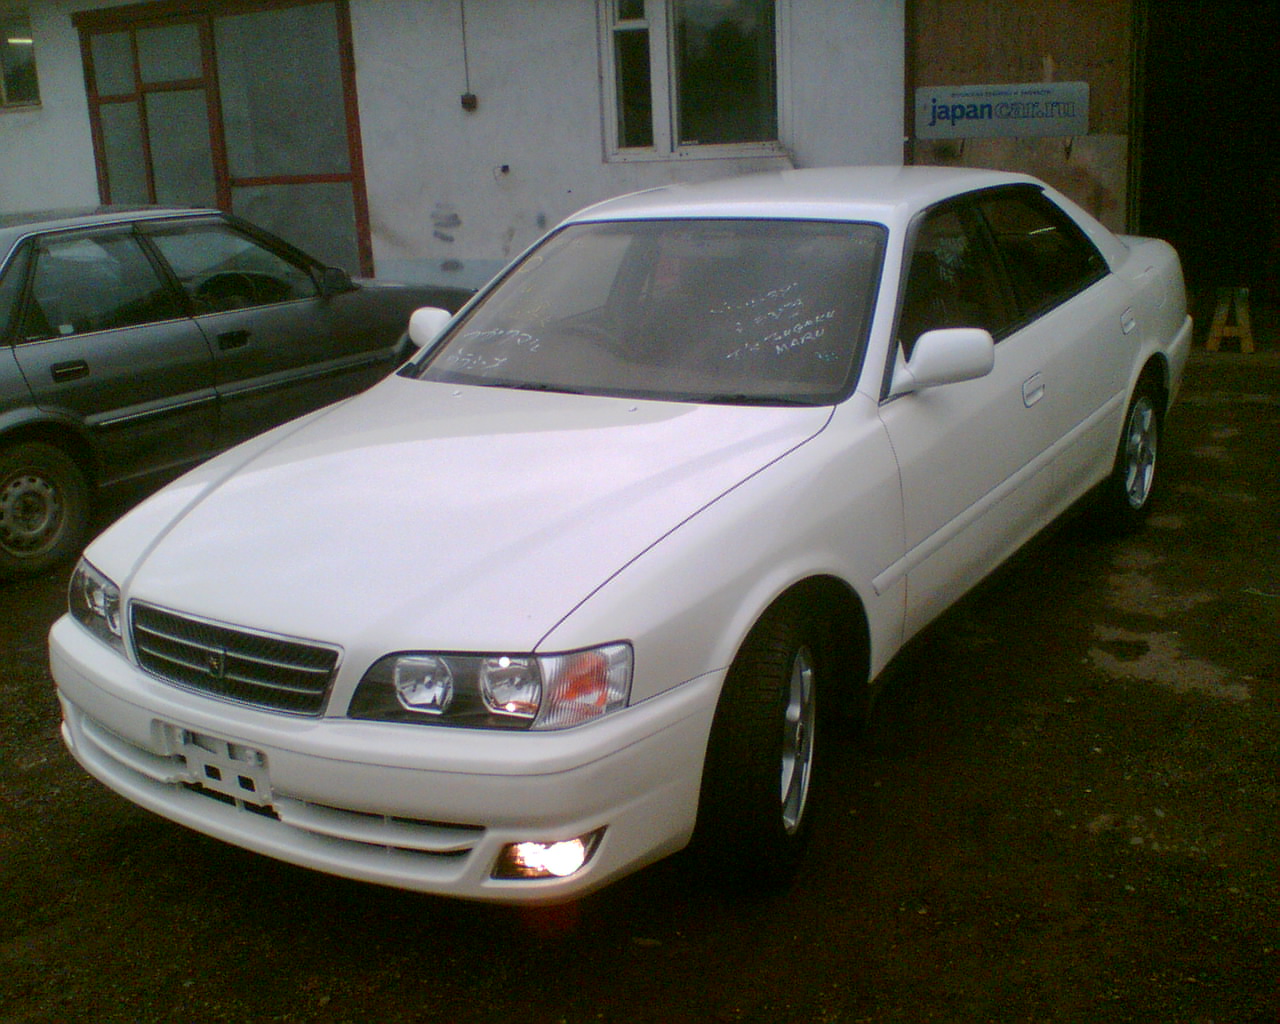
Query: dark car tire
[1129,491]
[44,509]
[758,787]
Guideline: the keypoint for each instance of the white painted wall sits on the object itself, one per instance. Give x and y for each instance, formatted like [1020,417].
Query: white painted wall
[46,152]
[441,207]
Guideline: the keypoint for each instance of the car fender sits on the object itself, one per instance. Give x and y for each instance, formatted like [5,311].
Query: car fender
[693,596]
[56,426]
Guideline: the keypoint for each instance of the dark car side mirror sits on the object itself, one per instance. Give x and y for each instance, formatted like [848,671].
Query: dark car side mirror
[334,281]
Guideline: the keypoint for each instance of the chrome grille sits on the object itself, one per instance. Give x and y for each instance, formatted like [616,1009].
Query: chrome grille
[253,668]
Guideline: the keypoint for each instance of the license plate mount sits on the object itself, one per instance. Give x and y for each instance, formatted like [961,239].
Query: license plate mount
[228,768]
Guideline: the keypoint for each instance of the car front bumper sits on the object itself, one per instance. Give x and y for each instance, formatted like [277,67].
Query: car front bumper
[417,807]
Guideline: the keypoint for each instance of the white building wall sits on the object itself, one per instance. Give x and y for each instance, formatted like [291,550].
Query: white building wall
[46,152]
[442,206]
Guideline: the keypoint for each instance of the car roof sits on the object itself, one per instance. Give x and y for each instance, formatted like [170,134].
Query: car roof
[16,226]
[885,195]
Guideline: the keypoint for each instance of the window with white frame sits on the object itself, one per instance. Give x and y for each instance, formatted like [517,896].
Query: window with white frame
[18,85]
[691,77]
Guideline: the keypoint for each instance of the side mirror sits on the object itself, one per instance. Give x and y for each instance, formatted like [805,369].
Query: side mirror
[334,280]
[426,324]
[945,356]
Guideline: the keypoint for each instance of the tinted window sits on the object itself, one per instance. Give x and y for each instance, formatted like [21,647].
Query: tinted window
[93,283]
[698,310]
[1047,257]
[222,269]
[10,289]
[951,281]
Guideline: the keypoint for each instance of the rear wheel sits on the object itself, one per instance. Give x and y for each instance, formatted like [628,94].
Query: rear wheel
[1128,492]
[44,509]
[756,808]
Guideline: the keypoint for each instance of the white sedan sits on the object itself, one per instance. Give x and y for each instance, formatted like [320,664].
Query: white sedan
[584,582]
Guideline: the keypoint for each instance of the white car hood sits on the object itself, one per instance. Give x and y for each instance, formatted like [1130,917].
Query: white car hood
[450,517]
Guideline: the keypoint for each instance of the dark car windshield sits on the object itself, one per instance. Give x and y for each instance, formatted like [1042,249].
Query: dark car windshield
[750,311]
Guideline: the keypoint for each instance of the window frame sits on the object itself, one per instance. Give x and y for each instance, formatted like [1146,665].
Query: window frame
[659,25]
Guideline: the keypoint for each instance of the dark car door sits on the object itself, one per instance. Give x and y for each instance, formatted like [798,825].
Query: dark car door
[102,340]
[270,326]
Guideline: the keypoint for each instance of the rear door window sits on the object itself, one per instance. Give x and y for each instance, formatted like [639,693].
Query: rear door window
[1048,258]
[86,283]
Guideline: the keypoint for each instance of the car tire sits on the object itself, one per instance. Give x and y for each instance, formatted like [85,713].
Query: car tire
[1128,493]
[757,801]
[44,509]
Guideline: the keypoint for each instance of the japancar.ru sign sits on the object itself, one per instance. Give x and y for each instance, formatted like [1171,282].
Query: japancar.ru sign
[989,111]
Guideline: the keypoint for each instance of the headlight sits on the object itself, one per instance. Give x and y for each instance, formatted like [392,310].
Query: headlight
[95,603]
[496,691]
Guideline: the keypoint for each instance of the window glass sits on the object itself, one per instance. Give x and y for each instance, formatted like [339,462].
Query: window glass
[635,93]
[168,53]
[11,288]
[686,310]
[1047,257]
[725,78]
[122,147]
[181,153]
[18,83]
[283,107]
[221,269]
[318,217]
[951,282]
[112,63]
[84,283]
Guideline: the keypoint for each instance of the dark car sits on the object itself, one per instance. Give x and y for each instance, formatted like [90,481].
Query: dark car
[135,343]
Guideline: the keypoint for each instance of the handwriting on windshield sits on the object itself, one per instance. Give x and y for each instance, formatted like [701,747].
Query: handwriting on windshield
[489,350]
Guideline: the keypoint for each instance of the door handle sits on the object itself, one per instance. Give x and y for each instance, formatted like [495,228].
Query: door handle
[233,339]
[1127,321]
[74,370]
[1032,389]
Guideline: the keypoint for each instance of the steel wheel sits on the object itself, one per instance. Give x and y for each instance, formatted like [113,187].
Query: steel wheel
[43,509]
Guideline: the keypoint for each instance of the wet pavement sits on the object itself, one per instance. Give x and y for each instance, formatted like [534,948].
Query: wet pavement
[1064,810]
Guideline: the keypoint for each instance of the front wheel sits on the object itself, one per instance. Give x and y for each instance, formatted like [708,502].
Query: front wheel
[756,808]
[1128,492]
[44,509]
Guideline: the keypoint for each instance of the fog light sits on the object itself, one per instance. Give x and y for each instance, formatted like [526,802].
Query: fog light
[547,860]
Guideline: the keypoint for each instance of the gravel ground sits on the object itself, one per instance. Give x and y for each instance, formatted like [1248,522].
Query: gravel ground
[1064,810]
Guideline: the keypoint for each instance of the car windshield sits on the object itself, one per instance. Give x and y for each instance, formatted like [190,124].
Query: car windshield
[735,311]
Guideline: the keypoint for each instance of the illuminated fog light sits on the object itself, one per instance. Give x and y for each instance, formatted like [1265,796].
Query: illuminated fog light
[547,860]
